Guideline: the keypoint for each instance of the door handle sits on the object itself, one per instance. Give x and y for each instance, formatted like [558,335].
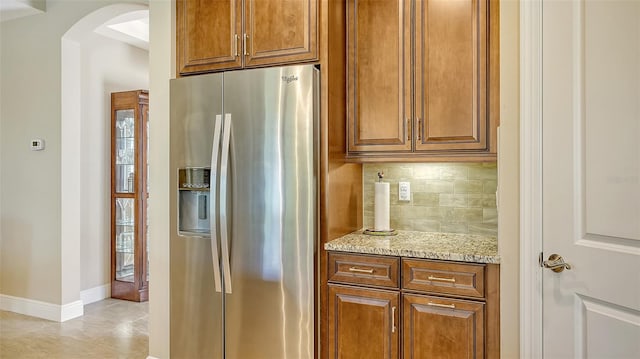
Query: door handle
[212,203]
[224,177]
[556,263]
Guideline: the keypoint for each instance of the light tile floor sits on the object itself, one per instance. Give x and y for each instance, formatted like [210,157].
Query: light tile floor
[108,329]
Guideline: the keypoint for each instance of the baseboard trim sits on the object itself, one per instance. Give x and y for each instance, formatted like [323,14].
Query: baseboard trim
[95,294]
[71,310]
[150,357]
[44,310]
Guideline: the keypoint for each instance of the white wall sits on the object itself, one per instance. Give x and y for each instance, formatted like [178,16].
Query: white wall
[30,185]
[162,68]
[106,66]
[30,206]
[508,179]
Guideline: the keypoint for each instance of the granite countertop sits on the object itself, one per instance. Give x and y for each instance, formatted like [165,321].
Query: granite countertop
[430,245]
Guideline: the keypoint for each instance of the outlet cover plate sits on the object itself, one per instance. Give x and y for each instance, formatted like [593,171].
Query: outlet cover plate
[404,191]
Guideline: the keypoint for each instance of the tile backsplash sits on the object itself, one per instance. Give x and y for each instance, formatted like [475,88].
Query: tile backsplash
[445,197]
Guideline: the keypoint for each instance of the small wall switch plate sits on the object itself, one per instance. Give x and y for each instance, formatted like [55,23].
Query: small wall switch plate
[37,144]
[404,191]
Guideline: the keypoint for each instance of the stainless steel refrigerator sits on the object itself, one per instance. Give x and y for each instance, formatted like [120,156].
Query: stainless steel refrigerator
[244,164]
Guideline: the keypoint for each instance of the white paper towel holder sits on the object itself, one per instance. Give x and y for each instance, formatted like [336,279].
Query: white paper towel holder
[387,231]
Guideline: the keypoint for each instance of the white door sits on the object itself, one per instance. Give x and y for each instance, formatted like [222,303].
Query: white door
[591,178]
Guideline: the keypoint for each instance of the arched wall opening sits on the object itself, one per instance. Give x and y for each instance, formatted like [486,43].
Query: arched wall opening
[92,67]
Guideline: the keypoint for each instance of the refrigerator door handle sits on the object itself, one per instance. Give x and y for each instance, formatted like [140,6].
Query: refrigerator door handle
[224,176]
[212,203]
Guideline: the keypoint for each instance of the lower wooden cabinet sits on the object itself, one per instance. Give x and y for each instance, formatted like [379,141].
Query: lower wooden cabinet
[363,323]
[436,327]
[440,309]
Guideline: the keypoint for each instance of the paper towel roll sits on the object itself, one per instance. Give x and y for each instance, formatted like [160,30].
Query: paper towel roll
[381,207]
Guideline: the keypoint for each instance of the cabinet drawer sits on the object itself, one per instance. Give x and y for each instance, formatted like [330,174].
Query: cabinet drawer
[364,269]
[446,278]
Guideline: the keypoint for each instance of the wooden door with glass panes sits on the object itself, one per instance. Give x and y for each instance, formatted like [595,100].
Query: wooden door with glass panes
[129,194]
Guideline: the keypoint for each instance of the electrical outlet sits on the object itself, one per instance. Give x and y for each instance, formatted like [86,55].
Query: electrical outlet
[404,191]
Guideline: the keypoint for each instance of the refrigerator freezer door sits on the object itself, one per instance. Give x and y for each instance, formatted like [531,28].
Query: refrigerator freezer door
[196,309]
[273,192]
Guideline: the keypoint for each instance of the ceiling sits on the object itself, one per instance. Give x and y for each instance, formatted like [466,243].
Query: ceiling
[131,28]
[12,9]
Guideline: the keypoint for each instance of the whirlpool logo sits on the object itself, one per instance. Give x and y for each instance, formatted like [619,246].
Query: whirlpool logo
[289,79]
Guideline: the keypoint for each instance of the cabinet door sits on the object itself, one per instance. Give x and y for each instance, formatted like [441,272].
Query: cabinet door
[436,327]
[279,31]
[379,75]
[451,75]
[363,323]
[208,35]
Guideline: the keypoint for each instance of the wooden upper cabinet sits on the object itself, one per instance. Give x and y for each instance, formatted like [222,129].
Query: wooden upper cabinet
[208,35]
[280,31]
[379,75]
[423,79]
[217,35]
[451,74]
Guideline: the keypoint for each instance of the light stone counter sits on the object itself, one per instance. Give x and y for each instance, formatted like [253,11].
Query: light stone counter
[430,245]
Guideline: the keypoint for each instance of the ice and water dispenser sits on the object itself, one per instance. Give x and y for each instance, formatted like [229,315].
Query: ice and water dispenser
[193,201]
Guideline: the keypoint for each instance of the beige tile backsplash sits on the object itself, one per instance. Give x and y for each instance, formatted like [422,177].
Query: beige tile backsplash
[445,197]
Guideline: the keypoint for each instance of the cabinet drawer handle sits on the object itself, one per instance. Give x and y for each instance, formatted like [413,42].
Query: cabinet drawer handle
[358,270]
[408,129]
[450,306]
[246,50]
[419,129]
[237,38]
[450,280]
[393,319]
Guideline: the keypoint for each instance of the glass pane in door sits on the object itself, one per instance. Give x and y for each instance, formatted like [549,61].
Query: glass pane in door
[125,239]
[125,151]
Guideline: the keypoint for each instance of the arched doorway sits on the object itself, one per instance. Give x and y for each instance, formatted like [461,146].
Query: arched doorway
[91,69]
